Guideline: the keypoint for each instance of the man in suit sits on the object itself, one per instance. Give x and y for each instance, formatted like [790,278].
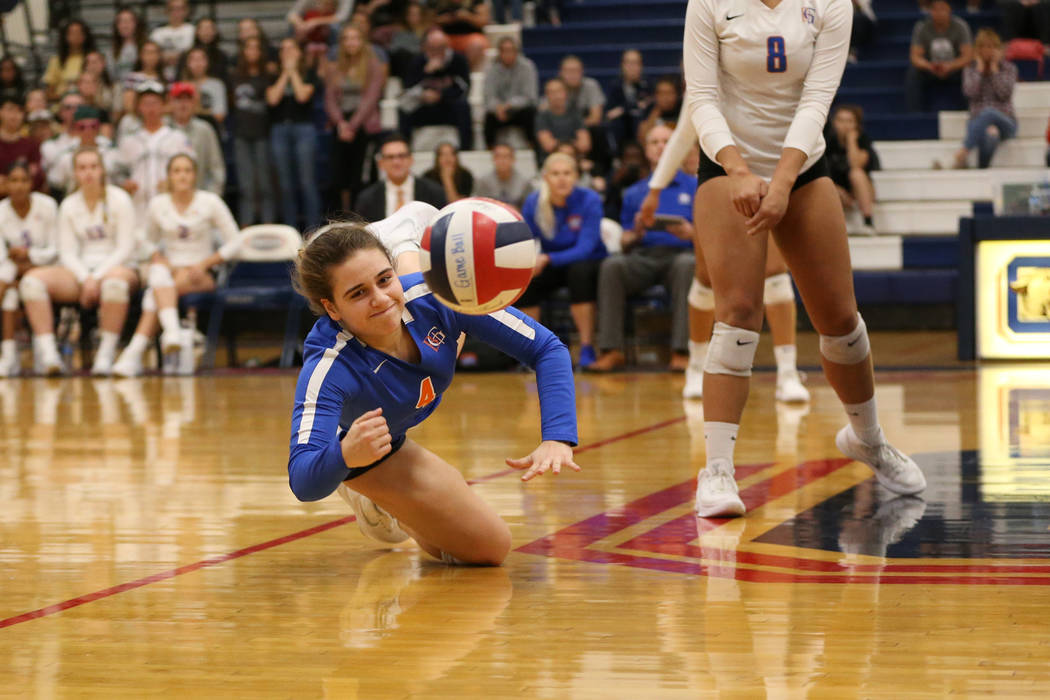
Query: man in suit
[399,187]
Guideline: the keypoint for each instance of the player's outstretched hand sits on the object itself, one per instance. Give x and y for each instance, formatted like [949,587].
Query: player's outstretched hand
[551,455]
[774,205]
[747,191]
[367,440]
[647,213]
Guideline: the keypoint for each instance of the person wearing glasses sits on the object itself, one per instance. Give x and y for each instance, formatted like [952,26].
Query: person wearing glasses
[399,187]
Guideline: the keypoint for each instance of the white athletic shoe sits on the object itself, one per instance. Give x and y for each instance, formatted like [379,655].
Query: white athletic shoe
[717,495]
[129,364]
[373,521]
[103,365]
[171,342]
[48,364]
[694,382]
[789,387]
[404,231]
[10,366]
[896,471]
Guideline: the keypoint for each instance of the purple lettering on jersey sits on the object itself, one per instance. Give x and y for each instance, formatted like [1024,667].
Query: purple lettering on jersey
[809,15]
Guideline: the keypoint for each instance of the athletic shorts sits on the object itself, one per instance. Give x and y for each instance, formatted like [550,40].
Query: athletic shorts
[710,169]
[396,445]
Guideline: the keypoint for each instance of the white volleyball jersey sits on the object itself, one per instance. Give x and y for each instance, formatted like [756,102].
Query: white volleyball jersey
[763,79]
[38,232]
[186,238]
[146,155]
[91,242]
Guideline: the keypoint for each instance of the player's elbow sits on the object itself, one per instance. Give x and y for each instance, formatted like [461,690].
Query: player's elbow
[302,488]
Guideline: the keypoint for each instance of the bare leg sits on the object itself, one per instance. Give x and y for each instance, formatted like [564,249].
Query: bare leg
[782,316]
[864,191]
[436,507]
[111,315]
[62,287]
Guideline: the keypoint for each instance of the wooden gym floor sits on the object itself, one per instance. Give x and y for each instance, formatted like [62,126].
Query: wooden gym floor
[150,547]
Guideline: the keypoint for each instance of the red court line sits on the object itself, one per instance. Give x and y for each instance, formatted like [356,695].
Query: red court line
[223,558]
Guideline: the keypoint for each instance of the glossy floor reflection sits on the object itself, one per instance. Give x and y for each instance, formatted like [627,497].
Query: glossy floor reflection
[150,547]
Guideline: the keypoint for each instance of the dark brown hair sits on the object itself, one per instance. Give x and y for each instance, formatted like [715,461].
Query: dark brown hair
[332,245]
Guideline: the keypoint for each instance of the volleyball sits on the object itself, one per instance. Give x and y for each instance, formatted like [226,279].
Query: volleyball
[477,256]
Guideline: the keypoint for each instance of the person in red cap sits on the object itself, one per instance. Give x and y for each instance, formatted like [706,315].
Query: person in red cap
[202,137]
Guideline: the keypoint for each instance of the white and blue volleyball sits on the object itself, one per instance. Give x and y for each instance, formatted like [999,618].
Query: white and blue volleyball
[477,255]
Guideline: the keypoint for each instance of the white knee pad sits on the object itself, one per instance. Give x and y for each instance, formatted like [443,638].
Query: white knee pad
[114,291]
[10,302]
[778,289]
[149,302]
[160,276]
[732,351]
[847,349]
[33,289]
[701,297]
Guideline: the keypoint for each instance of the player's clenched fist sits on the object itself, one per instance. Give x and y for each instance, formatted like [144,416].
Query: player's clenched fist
[367,440]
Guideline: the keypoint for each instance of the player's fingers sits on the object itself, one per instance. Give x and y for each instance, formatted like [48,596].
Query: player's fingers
[368,415]
[383,449]
[521,463]
[556,466]
[575,467]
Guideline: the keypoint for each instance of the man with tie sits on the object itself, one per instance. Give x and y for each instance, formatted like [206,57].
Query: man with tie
[399,187]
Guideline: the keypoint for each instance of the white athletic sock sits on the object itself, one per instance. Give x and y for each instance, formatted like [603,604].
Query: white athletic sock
[45,343]
[107,344]
[137,346]
[697,353]
[720,439]
[169,320]
[786,358]
[864,417]
[8,350]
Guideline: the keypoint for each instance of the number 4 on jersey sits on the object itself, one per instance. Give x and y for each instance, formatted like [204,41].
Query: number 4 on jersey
[426,393]
[776,56]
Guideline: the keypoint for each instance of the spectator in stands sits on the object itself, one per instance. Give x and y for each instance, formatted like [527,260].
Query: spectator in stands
[316,21]
[566,220]
[353,88]
[629,100]
[146,149]
[183,226]
[988,84]
[941,45]
[589,176]
[249,28]
[851,159]
[28,226]
[662,254]
[175,37]
[454,179]
[14,146]
[558,123]
[211,91]
[96,245]
[207,37]
[202,138]
[511,93]
[87,127]
[399,187]
[406,44]
[251,137]
[147,69]
[66,138]
[36,99]
[293,138]
[129,34]
[12,82]
[437,91]
[41,128]
[863,32]
[504,183]
[75,41]
[586,97]
[1026,18]
[89,87]
[95,64]
[631,168]
[507,11]
[464,21]
[667,105]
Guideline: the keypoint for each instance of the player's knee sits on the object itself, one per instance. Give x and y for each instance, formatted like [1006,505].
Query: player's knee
[32,288]
[10,302]
[849,348]
[778,290]
[732,351]
[160,276]
[740,311]
[114,290]
[701,296]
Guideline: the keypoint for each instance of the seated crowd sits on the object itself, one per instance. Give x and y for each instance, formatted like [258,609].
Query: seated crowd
[115,178]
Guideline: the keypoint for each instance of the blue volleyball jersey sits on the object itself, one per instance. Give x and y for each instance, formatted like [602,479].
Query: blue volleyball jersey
[342,378]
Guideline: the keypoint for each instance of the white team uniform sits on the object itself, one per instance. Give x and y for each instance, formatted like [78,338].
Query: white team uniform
[60,174]
[189,237]
[90,243]
[763,79]
[146,155]
[50,152]
[38,231]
